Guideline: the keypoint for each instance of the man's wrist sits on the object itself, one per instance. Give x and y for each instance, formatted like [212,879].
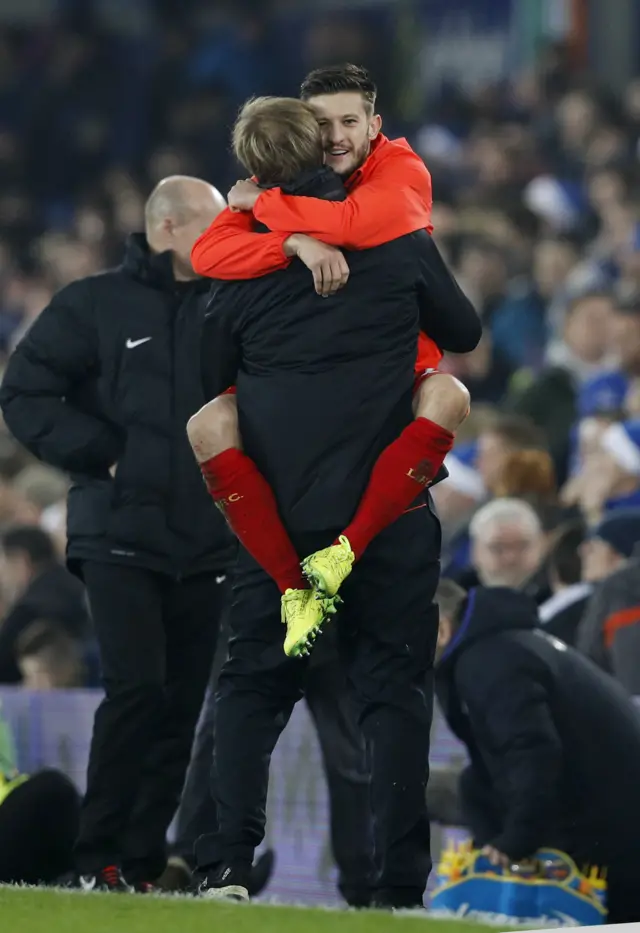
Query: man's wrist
[291,245]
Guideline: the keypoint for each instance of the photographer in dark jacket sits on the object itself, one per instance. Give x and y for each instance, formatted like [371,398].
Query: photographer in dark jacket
[102,386]
[554,743]
[38,587]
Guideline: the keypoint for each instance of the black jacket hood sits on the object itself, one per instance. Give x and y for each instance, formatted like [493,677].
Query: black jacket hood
[155,269]
[321,183]
[486,611]
[318,183]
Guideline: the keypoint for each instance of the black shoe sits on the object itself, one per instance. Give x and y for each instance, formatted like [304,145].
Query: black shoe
[357,898]
[261,871]
[109,878]
[227,883]
[398,899]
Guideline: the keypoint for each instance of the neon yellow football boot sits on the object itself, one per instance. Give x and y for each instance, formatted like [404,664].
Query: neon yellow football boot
[303,614]
[327,570]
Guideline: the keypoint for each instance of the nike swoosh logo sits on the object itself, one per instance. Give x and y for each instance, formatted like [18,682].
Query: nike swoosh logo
[131,344]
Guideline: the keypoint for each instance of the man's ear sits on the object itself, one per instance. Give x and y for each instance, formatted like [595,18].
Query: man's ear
[375,125]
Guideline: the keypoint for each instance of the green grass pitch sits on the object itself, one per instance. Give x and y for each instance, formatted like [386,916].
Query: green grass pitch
[29,910]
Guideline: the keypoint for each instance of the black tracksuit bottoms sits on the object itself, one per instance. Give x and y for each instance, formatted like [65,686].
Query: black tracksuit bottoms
[330,704]
[387,633]
[157,638]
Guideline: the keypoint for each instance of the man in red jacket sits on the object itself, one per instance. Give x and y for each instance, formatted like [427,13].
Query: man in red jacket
[389,196]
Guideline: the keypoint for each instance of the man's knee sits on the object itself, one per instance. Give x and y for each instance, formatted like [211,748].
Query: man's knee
[444,399]
[214,428]
[144,692]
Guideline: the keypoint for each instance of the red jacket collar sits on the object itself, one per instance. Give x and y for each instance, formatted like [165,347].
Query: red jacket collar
[381,146]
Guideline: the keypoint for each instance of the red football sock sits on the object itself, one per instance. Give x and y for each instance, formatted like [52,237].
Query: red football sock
[403,468]
[249,506]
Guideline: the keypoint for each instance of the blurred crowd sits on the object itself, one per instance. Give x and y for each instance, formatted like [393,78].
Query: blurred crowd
[536,208]
[91,117]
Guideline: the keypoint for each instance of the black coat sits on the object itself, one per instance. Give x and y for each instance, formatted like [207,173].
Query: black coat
[562,614]
[109,372]
[324,385]
[554,742]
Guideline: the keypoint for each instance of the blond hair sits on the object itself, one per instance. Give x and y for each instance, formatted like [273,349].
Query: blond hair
[277,139]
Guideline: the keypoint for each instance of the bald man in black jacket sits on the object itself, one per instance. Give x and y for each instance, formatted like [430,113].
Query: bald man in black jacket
[101,387]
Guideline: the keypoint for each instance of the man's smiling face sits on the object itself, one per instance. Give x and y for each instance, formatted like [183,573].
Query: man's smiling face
[348,128]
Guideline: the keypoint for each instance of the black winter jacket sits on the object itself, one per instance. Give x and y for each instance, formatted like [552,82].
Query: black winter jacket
[109,373]
[554,742]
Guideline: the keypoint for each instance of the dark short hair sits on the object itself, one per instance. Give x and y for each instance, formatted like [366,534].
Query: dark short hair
[45,639]
[628,304]
[43,634]
[336,79]
[451,599]
[524,220]
[564,559]
[561,240]
[30,540]
[587,295]
[610,169]
[476,243]
[518,431]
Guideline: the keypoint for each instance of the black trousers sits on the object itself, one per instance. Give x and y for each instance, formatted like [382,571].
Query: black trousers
[38,826]
[344,755]
[387,634]
[197,812]
[345,763]
[157,640]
